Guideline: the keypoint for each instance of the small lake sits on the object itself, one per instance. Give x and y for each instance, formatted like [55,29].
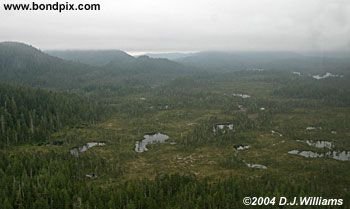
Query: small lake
[258,166]
[244,96]
[242,108]
[241,147]
[222,127]
[311,128]
[327,75]
[276,133]
[337,155]
[76,150]
[151,138]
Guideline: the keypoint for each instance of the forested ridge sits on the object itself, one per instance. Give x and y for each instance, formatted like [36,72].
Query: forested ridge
[26,65]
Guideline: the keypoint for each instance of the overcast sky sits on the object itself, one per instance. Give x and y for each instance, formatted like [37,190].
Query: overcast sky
[185,25]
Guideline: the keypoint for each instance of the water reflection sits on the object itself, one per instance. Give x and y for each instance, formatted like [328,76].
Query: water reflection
[243,96]
[76,150]
[150,138]
[258,166]
[222,127]
[320,144]
[337,155]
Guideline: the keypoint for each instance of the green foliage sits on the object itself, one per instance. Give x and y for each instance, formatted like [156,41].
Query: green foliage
[26,65]
[120,101]
[31,115]
[43,184]
[331,92]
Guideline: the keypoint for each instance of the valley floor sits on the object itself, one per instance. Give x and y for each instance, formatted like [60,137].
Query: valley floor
[268,123]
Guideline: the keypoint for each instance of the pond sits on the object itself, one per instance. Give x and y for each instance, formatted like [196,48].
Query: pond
[244,96]
[308,154]
[337,155]
[327,75]
[150,138]
[222,127]
[242,108]
[258,166]
[76,150]
[311,128]
[241,147]
[276,133]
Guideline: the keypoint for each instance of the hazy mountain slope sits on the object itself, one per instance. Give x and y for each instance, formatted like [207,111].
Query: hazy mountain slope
[92,57]
[142,69]
[312,65]
[24,64]
[230,61]
[145,64]
[233,60]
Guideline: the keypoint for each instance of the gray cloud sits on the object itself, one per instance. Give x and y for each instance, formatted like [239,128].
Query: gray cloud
[178,25]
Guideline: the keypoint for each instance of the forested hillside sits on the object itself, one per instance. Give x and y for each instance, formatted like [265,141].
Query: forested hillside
[30,115]
[24,64]
[92,57]
[288,61]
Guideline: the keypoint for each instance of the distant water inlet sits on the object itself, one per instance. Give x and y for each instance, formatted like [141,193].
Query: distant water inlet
[151,138]
[76,150]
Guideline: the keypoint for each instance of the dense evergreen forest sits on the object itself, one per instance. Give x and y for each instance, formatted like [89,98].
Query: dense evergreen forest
[69,126]
[31,115]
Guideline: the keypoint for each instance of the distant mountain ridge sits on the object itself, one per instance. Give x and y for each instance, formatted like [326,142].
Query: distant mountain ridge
[92,57]
[291,61]
[144,69]
[144,62]
[24,64]
[234,60]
